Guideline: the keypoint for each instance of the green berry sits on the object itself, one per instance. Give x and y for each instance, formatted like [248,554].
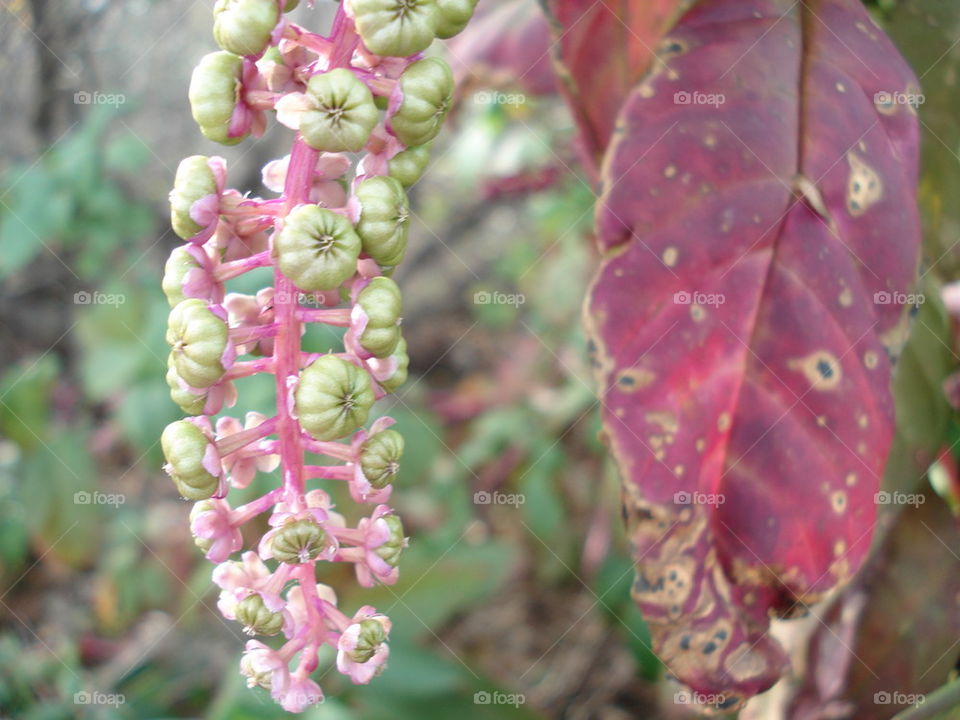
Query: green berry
[399,376]
[198,338]
[391,549]
[380,457]
[382,303]
[333,398]
[256,619]
[244,27]
[395,27]
[372,635]
[297,542]
[175,271]
[185,446]
[214,89]
[384,219]
[452,16]
[427,87]
[317,248]
[190,403]
[291,5]
[408,165]
[194,181]
[344,113]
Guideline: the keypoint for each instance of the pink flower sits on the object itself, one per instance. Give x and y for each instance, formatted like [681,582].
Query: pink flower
[382,542]
[298,619]
[249,575]
[298,694]
[210,523]
[263,666]
[362,649]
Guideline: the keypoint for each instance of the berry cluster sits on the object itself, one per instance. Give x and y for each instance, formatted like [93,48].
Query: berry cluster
[332,237]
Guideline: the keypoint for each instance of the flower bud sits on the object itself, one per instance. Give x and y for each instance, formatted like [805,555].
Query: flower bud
[372,634]
[381,302]
[399,376]
[297,542]
[427,87]
[256,619]
[191,456]
[317,249]
[394,27]
[194,181]
[408,165]
[452,16]
[333,398]
[243,27]
[343,112]
[384,219]
[380,457]
[199,339]
[391,549]
[214,93]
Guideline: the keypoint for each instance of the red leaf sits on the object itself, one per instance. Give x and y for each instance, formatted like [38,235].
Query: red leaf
[759,197]
[604,48]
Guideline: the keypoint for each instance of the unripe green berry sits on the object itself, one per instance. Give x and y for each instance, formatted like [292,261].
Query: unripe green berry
[399,376]
[194,180]
[395,27]
[333,398]
[178,265]
[372,635]
[384,219]
[297,542]
[189,402]
[291,5]
[381,302]
[256,619]
[244,27]
[185,446]
[198,338]
[391,549]
[214,89]
[344,113]
[427,87]
[380,457]
[317,248]
[408,165]
[452,16]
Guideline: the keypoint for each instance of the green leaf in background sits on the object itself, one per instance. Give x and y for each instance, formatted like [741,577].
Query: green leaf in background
[25,394]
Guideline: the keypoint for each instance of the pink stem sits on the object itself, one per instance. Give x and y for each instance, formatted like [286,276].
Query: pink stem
[234,268]
[330,449]
[246,368]
[286,352]
[329,472]
[237,441]
[339,317]
[245,334]
[250,510]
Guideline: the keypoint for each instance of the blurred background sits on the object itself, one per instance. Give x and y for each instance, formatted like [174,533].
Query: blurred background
[514,595]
